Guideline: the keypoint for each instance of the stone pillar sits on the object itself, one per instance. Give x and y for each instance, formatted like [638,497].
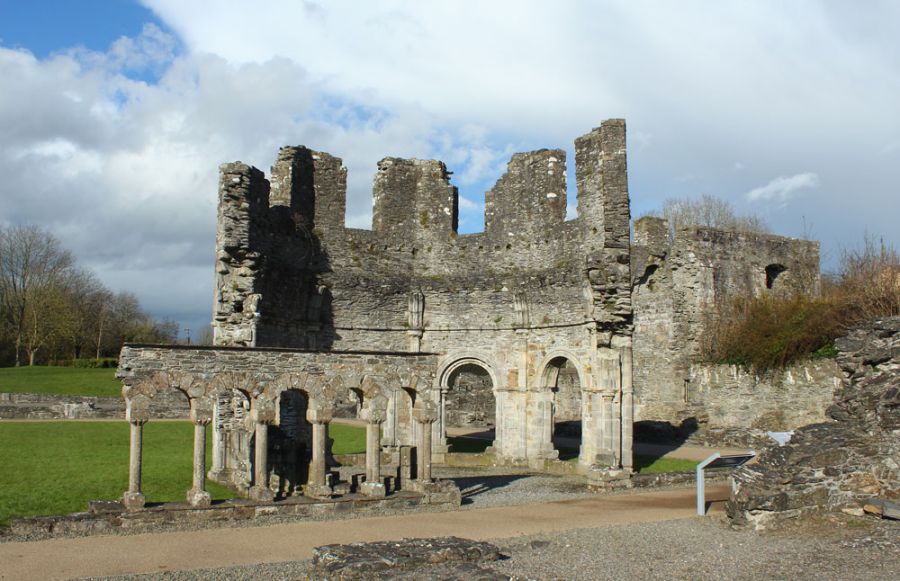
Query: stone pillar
[608,426]
[262,414]
[316,486]
[201,416]
[627,410]
[373,486]
[134,499]
[415,340]
[218,452]
[425,414]
[217,470]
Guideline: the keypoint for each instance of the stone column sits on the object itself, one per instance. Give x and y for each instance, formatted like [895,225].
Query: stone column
[607,423]
[373,486]
[201,416]
[317,487]
[134,498]
[425,415]
[627,410]
[217,471]
[262,414]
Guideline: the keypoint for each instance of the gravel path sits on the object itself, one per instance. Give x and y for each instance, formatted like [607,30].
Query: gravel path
[484,487]
[708,549]
[833,548]
[838,547]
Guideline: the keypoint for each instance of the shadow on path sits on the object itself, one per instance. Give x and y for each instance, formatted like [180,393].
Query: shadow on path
[471,486]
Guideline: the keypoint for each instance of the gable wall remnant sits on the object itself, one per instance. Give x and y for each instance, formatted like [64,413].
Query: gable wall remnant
[680,280]
[290,274]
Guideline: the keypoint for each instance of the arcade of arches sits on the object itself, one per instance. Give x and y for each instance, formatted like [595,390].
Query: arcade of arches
[270,429]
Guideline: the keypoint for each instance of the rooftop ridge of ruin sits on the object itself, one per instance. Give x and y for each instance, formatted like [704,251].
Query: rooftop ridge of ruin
[415,202]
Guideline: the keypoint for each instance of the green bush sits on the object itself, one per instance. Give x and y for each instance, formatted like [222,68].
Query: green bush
[91,363]
[772,331]
[769,332]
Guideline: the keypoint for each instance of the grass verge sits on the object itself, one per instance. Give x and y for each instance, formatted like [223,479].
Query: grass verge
[656,465]
[60,381]
[58,467]
[347,439]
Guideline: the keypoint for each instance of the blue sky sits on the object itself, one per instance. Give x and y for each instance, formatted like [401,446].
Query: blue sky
[114,115]
[47,26]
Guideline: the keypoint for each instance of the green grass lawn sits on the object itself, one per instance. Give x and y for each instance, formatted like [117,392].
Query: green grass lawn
[655,464]
[60,380]
[347,439]
[57,467]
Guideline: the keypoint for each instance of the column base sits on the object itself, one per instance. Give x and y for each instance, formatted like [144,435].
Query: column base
[262,494]
[219,475]
[373,489]
[422,486]
[133,500]
[199,498]
[318,491]
[436,492]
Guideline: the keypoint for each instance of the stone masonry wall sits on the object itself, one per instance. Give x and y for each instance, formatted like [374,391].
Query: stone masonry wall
[678,282]
[34,406]
[290,274]
[845,461]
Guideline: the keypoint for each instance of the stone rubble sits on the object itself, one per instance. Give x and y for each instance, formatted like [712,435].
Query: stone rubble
[842,463]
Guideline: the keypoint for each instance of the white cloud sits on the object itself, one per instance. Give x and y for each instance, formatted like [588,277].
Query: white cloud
[782,189]
[468,205]
[117,151]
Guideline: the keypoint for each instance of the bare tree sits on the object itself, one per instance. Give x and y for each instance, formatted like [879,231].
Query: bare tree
[50,308]
[711,212]
[31,261]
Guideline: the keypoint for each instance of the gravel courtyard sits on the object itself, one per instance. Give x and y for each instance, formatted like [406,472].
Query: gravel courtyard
[830,548]
[836,547]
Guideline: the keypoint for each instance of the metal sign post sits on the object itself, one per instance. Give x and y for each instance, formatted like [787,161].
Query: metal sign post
[717,460]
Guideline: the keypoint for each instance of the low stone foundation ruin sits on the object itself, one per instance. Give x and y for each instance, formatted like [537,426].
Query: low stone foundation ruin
[841,463]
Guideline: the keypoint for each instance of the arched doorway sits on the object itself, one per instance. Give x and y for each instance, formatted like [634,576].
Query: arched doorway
[562,378]
[232,439]
[290,444]
[469,415]
[469,400]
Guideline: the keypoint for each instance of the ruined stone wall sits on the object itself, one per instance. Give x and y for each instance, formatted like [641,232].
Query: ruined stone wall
[845,461]
[43,406]
[679,280]
[290,274]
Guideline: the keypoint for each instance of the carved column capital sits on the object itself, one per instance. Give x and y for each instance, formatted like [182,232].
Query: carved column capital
[318,416]
[201,415]
[427,414]
[262,411]
[373,416]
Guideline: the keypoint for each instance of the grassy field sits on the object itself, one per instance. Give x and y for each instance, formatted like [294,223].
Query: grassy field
[60,380]
[57,467]
[347,439]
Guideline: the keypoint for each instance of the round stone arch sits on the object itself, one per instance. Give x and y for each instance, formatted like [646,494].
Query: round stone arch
[454,405]
[567,407]
[546,369]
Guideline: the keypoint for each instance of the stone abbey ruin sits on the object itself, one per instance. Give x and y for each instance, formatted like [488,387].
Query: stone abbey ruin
[538,325]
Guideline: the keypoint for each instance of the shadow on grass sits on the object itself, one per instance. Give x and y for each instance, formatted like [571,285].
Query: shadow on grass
[467,445]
